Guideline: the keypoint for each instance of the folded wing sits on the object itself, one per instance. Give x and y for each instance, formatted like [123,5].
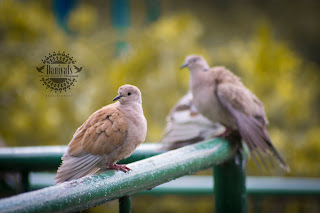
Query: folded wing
[93,142]
[250,119]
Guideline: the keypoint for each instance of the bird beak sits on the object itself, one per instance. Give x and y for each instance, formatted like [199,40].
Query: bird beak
[117,98]
[184,65]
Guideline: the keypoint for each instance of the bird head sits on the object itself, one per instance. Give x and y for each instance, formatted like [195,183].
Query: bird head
[195,62]
[128,94]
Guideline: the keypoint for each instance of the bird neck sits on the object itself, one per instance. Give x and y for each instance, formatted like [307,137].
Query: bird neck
[199,78]
[134,106]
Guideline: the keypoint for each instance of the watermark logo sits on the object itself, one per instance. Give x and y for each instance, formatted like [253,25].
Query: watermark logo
[59,72]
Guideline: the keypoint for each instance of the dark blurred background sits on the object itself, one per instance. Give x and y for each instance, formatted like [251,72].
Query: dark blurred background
[272,45]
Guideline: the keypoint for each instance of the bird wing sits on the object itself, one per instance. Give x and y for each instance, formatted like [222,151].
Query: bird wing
[101,134]
[186,126]
[250,118]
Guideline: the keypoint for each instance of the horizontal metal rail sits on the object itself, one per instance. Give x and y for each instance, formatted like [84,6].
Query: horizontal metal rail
[266,186]
[202,185]
[42,158]
[97,189]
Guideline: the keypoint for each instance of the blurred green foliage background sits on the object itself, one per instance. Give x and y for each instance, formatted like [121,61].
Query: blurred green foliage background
[272,46]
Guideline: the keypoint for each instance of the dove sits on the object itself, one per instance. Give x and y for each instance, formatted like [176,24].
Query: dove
[185,125]
[220,96]
[109,135]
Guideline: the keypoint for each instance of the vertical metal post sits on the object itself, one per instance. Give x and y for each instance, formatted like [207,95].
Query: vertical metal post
[230,186]
[125,204]
[24,181]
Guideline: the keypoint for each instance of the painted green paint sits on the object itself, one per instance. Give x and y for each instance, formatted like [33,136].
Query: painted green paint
[125,204]
[202,185]
[97,189]
[230,186]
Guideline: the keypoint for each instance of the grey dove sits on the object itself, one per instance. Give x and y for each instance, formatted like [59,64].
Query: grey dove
[221,97]
[109,135]
[185,125]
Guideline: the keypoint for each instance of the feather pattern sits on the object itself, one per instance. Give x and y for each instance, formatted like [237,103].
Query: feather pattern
[185,125]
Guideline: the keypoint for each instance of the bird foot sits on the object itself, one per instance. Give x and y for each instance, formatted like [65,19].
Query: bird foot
[226,133]
[118,167]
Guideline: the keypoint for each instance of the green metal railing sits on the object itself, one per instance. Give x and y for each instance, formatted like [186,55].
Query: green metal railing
[229,182]
[202,185]
[43,158]
[97,189]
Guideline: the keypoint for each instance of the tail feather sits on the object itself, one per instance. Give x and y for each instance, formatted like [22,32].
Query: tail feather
[279,158]
[255,154]
[258,138]
[76,167]
[81,164]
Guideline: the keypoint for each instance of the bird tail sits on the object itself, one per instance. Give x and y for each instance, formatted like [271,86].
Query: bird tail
[279,158]
[258,140]
[75,167]
[254,133]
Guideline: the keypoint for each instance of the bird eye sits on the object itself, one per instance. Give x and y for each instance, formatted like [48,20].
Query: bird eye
[129,93]
[194,60]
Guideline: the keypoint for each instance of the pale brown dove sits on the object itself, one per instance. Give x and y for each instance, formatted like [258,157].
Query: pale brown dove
[185,125]
[109,135]
[220,96]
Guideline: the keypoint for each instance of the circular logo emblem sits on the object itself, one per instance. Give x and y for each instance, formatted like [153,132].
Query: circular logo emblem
[59,72]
